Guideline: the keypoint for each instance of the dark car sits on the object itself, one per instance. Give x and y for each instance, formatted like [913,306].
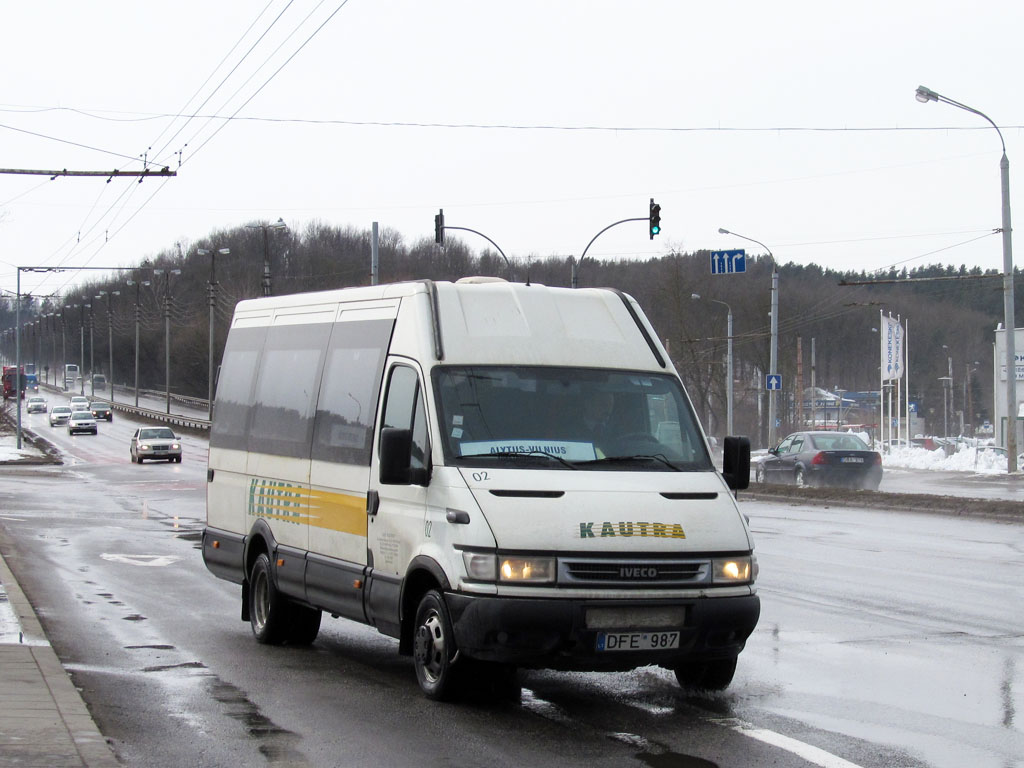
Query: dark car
[101,411]
[822,458]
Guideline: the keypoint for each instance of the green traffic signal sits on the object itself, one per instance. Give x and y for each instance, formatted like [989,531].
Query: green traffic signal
[655,219]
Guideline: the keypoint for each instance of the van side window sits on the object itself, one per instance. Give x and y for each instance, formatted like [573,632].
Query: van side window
[349,391]
[234,389]
[286,389]
[405,410]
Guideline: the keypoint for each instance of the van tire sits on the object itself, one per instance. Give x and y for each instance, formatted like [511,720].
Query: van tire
[713,675]
[304,625]
[268,609]
[434,647]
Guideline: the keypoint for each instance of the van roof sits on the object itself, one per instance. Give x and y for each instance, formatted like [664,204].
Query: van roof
[494,321]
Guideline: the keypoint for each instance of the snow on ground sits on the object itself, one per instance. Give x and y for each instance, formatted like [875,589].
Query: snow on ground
[967,459]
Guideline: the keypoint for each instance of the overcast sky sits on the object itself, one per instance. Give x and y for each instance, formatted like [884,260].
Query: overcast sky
[536,122]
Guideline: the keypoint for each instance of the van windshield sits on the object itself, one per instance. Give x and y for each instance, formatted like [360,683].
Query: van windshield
[567,418]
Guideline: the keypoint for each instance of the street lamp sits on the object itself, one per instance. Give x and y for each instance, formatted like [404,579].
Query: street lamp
[947,384]
[774,351]
[211,293]
[924,95]
[728,365]
[110,338]
[278,225]
[167,329]
[138,286]
[968,399]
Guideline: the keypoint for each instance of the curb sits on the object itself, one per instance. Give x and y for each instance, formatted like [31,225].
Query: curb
[30,674]
[954,506]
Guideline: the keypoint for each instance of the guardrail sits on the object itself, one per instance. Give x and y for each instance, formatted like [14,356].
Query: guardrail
[182,420]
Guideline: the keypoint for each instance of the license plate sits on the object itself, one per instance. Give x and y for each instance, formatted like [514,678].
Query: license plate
[637,641]
[852,460]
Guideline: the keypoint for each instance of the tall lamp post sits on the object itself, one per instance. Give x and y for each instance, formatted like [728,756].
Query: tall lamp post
[773,359]
[279,225]
[728,365]
[110,338]
[924,95]
[167,329]
[138,286]
[947,384]
[211,293]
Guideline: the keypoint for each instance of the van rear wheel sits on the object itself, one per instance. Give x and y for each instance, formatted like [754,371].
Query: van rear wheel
[434,647]
[268,608]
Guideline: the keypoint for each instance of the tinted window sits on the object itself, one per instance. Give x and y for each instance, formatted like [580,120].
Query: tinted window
[348,391]
[405,410]
[235,388]
[286,389]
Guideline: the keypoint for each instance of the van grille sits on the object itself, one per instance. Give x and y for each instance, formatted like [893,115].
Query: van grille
[626,572]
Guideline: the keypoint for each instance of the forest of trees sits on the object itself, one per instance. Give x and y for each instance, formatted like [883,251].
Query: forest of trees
[950,319]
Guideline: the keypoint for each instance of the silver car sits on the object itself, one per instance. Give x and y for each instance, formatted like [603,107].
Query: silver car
[155,443]
[59,415]
[82,421]
[36,404]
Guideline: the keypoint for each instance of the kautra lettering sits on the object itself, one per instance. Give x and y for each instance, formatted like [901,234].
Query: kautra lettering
[640,529]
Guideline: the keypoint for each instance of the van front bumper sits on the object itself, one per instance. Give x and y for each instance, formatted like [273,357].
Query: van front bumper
[554,634]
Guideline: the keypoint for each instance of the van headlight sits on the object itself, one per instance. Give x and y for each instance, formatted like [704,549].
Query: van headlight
[480,566]
[527,570]
[509,569]
[734,570]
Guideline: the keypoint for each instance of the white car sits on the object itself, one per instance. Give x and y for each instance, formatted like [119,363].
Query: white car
[79,402]
[36,404]
[82,421]
[59,414]
[155,443]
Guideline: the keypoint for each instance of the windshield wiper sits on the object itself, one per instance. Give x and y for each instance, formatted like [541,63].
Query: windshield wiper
[624,459]
[514,454]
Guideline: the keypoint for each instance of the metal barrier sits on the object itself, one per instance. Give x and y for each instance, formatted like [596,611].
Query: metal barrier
[181,420]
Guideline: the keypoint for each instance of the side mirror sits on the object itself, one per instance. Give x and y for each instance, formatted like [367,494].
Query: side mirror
[736,462]
[395,456]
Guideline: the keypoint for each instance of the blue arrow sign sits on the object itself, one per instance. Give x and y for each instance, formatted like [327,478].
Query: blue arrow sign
[728,262]
[773,381]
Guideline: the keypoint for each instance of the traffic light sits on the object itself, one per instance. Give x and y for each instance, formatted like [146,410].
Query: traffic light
[655,219]
[439,227]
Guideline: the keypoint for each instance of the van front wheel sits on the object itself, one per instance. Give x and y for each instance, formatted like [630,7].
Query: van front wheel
[434,647]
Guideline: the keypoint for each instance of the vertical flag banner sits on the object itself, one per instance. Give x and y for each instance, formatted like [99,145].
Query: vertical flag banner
[892,349]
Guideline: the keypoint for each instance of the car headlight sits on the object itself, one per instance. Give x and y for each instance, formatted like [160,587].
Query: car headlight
[175,447]
[734,570]
[143,447]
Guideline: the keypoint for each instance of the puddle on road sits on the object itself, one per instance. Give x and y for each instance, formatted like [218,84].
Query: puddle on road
[277,745]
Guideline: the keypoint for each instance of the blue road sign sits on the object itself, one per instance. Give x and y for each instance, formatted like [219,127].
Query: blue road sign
[728,262]
[773,381]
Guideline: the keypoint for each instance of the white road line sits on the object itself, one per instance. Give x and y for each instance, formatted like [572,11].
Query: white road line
[800,749]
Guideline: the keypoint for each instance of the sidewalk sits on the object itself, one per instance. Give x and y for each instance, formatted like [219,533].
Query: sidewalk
[43,721]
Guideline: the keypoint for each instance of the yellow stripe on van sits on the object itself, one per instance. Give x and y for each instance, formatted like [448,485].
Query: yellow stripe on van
[340,512]
[278,500]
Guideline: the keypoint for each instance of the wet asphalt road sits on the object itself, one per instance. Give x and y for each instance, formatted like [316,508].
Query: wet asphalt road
[886,639]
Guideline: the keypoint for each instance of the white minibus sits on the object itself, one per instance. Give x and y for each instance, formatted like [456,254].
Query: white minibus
[498,475]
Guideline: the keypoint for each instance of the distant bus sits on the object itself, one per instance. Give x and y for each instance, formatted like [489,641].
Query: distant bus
[71,375]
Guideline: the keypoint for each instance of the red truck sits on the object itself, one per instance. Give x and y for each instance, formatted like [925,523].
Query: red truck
[10,377]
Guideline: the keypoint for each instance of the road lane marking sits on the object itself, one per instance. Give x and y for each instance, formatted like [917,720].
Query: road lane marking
[811,754]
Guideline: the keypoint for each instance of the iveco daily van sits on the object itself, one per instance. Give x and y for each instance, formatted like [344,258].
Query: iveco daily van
[498,475]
